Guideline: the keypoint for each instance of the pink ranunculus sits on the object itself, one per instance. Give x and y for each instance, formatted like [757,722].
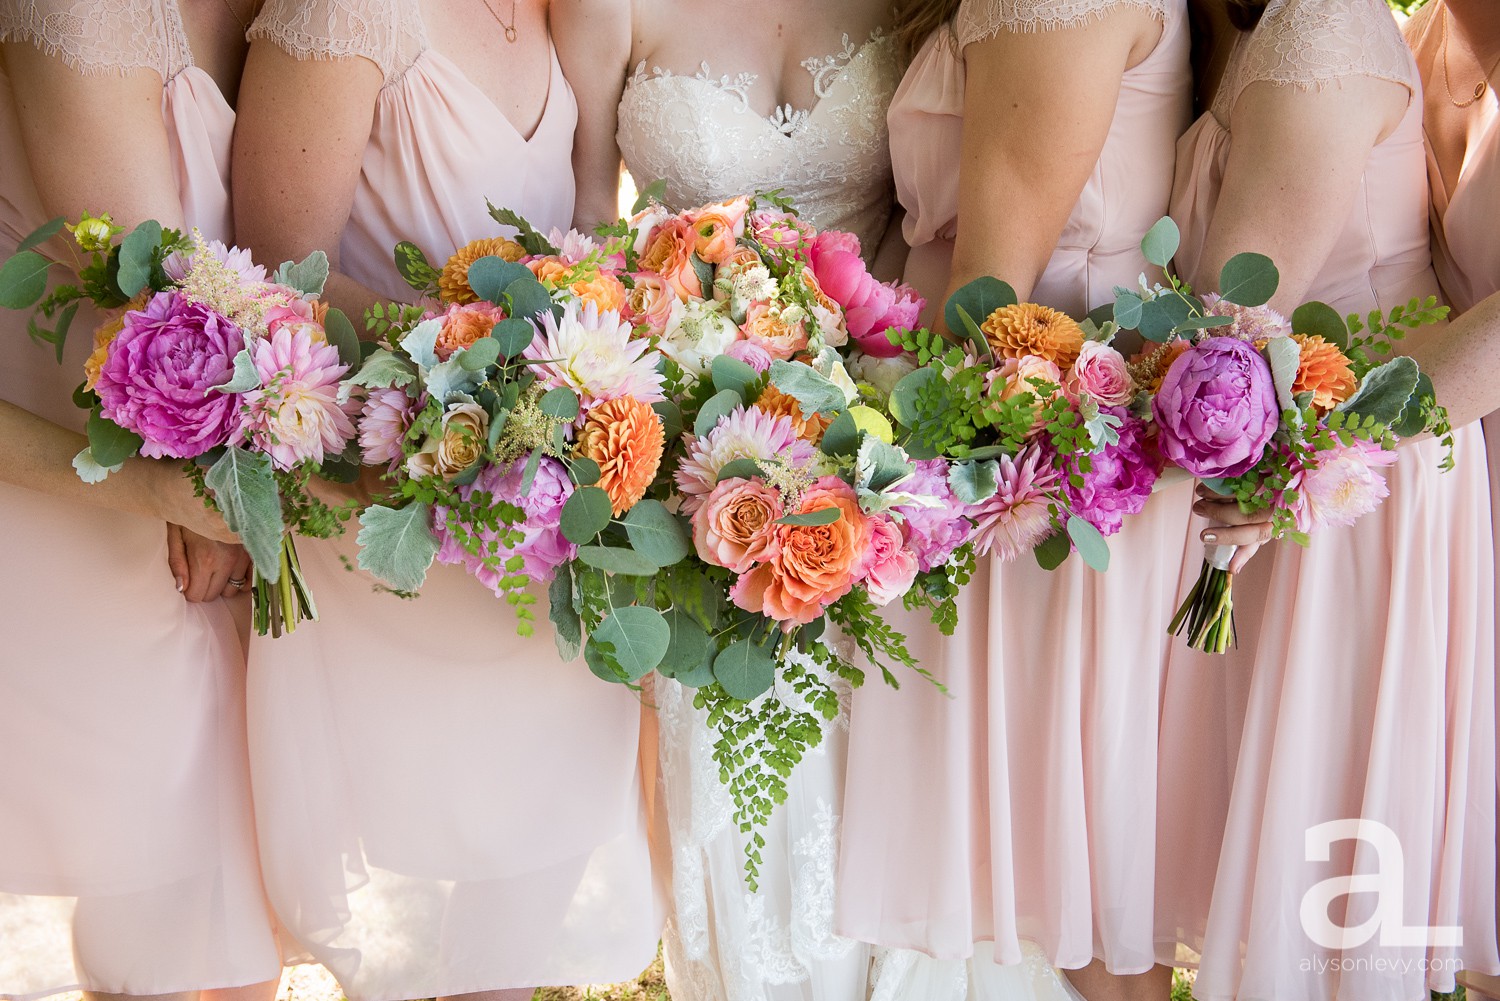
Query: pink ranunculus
[870,307]
[780,230]
[650,302]
[1101,372]
[1216,408]
[751,354]
[889,566]
[736,526]
[295,415]
[542,549]
[718,227]
[1343,487]
[384,420]
[159,373]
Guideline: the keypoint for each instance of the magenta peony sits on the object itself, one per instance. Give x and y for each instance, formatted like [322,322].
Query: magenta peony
[933,533]
[542,549]
[870,307]
[383,422]
[1216,408]
[159,373]
[295,414]
[1119,479]
[1018,516]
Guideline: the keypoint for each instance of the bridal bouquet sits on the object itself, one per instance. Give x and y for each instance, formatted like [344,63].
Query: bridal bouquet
[207,358]
[1290,416]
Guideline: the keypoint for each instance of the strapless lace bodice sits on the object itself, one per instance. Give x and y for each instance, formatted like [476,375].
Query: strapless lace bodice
[699,133]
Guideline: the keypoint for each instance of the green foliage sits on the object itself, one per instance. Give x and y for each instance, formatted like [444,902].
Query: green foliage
[526,234]
[397,544]
[245,492]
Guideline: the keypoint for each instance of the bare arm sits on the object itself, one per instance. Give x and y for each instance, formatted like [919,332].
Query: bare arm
[294,186]
[1461,359]
[1034,126]
[593,39]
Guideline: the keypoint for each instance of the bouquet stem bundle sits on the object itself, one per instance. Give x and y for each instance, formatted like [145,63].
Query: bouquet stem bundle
[277,606]
[1208,611]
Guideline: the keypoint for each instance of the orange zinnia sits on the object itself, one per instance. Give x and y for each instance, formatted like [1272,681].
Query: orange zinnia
[625,437]
[453,283]
[1029,329]
[778,404]
[1324,371]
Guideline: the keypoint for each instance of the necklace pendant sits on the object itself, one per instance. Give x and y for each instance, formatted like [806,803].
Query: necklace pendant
[1480,88]
[510,33]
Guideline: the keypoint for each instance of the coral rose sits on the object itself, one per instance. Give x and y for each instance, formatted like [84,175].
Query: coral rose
[464,325]
[736,526]
[1324,371]
[778,404]
[669,253]
[589,284]
[453,283]
[769,327]
[649,302]
[816,565]
[1029,329]
[625,437]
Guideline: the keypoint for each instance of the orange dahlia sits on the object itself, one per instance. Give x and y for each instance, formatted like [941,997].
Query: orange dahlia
[625,437]
[778,404]
[453,283]
[105,335]
[1324,371]
[1029,329]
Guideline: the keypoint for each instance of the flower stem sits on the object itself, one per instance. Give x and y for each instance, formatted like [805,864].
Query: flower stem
[1208,612]
[279,606]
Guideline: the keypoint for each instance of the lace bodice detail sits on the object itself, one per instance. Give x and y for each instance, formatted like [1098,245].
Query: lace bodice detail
[700,134]
[1314,43]
[389,33]
[978,20]
[102,36]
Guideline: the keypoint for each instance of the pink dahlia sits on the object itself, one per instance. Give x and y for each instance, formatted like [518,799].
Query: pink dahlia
[933,533]
[748,433]
[1344,486]
[592,353]
[1018,516]
[236,259]
[295,415]
[383,422]
[542,547]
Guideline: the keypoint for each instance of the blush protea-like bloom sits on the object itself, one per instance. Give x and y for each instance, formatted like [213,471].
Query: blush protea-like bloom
[295,415]
[236,259]
[1251,323]
[748,433]
[592,353]
[1017,517]
[383,422]
[156,377]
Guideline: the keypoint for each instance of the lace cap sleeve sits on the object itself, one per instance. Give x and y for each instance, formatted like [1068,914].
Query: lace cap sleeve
[388,33]
[978,20]
[99,36]
[1314,43]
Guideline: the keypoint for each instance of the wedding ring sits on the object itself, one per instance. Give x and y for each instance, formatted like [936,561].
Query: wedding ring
[237,583]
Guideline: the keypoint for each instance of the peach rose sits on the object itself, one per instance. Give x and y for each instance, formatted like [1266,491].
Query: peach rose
[464,325]
[1018,374]
[718,228]
[815,565]
[669,253]
[736,526]
[1101,372]
[768,326]
[649,301]
[890,567]
[625,437]
[462,442]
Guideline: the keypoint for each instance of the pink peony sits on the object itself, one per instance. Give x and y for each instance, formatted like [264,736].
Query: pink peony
[1101,372]
[1343,487]
[933,533]
[295,415]
[542,548]
[889,566]
[753,355]
[1018,516]
[384,420]
[1119,479]
[747,433]
[1251,323]
[157,378]
[870,307]
[736,526]
[1216,408]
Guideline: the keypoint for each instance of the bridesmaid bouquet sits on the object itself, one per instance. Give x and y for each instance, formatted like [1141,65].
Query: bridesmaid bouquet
[1295,417]
[206,358]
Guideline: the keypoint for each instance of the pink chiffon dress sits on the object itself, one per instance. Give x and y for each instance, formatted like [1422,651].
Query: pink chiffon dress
[1022,809]
[127,850]
[444,807]
[1362,686]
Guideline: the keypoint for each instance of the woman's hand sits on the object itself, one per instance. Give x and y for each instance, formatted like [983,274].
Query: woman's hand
[205,569]
[1231,526]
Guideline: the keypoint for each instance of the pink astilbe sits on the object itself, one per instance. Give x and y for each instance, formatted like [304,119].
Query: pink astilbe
[1017,517]
[295,415]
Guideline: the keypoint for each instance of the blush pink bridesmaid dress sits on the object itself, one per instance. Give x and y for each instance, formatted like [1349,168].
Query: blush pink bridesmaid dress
[443,806]
[1022,810]
[1363,685]
[127,850]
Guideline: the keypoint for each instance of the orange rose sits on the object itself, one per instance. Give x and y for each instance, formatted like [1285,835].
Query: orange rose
[625,437]
[767,327]
[605,291]
[453,283]
[1324,371]
[669,253]
[717,229]
[464,325]
[1029,329]
[778,404]
[815,565]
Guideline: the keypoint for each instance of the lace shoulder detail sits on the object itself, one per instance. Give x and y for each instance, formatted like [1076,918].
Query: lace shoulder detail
[1314,43]
[389,33]
[101,36]
[978,20]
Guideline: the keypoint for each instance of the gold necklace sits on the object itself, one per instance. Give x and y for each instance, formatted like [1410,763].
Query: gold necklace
[244,25]
[510,29]
[1479,88]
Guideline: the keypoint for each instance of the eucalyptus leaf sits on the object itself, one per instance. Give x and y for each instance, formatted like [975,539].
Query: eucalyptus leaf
[979,298]
[110,443]
[733,374]
[1161,316]
[340,333]
[528,298]
[1319,319]
[244,378]
[1249,279]
[244,490]
[638,638]
[671,418]
[690,652]
[137,255]
[64,323]
[904,394]
[1089,543]
[585,515]
[567,628]
[719,406]
[656,533]
[490,276]
[560,403]
[480,355]
[739,469]
[585,471]
[656,191]
[1129,309]
[1052,552]
[41,234]
[1202,323]
[397,545]
[842,436]
[514,336]
[23,280]
[814,392]
[1161,241]
[307,276]
[617,560]
[745,670]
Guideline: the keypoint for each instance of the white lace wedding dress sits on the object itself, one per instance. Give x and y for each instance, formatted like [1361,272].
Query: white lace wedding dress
[699,133]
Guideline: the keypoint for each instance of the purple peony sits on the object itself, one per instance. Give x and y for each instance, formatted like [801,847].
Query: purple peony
[160,369]
[1216,408]
[933,533]
[1119,479]
[543,549]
